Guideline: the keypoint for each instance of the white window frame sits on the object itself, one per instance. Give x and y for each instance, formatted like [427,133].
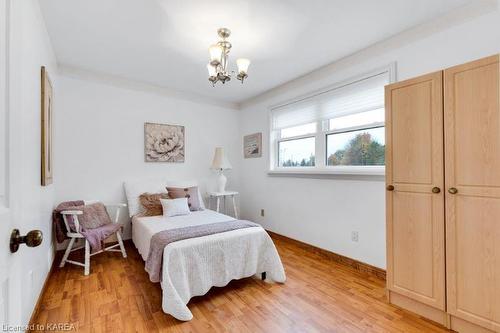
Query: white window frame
[322,131]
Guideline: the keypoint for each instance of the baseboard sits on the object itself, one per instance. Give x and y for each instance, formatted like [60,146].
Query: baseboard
[338,258]
[44,287]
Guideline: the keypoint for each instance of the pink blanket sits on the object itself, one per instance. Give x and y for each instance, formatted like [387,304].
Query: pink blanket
[97,236]
[57,219]
[95,224]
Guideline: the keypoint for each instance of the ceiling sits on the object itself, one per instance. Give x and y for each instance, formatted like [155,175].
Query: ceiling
[165,42]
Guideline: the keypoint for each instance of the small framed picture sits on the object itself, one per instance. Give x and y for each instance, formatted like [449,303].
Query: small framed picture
[252,145]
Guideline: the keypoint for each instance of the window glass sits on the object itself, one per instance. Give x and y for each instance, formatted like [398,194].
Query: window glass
[358,119]
[298,130]
[297,153]
[361,147]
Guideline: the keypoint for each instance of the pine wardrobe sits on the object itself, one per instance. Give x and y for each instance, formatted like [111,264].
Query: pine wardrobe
[443,195]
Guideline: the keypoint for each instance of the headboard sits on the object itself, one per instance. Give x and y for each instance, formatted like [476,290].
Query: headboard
[133,189]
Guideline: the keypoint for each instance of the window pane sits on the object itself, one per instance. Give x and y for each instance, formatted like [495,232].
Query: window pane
[363,147]
[297,153]
[358,119]
[298,130]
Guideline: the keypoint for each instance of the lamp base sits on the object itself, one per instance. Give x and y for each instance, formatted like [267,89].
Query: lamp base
[221,182]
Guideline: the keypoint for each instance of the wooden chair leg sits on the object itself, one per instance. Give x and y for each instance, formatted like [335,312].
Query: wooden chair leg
[67,252]
[87,258]
[120,241]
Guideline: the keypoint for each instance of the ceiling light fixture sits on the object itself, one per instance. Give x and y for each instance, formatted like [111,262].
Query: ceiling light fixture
[217,67]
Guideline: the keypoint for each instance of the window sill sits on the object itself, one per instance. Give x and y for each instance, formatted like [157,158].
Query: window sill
[371,172]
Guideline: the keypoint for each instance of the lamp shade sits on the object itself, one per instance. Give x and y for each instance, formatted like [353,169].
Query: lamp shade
[215,54]
[243,65]
[220,161]
[211,70]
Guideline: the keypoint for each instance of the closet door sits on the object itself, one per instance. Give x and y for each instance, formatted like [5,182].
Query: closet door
[472,145]
[415,200]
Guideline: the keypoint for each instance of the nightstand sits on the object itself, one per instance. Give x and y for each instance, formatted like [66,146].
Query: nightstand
[218,195]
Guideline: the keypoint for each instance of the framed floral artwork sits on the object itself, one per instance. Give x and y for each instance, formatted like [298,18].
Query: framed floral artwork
[164,143]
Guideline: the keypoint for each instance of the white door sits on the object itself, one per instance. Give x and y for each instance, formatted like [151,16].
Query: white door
[5,221]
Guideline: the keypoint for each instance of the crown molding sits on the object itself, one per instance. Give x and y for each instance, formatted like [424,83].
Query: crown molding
[130,84]
[441,23]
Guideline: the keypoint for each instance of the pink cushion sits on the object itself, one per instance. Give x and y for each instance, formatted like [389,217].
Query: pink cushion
[191,193]
[94,216]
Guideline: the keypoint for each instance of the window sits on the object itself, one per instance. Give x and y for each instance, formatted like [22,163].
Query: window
[297,152]
[334,130]
[357,139]
[297,146]
[356,147]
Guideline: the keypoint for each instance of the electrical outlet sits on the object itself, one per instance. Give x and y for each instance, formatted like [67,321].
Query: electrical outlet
[355,236]
[262,212]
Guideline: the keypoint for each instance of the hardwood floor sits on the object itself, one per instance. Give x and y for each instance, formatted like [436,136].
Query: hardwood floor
[320,295]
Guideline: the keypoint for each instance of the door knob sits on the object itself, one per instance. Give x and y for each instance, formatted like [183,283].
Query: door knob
[32,239]
[390,187]
[452,190]
[436,189]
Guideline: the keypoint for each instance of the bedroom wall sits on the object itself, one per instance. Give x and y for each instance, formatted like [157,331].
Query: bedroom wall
[100,138]
[324,212]
[30,204]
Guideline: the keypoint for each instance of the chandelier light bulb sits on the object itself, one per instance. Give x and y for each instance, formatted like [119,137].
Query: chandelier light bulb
[243,64]
[215,54]
[211,70]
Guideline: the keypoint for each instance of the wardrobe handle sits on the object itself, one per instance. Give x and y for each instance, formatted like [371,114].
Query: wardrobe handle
[390,187]
[452,190]
[436,189]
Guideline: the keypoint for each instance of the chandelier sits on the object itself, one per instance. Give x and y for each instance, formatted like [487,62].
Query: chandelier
[217,67]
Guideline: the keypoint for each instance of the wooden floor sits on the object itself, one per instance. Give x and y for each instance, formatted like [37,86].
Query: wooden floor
[318,296]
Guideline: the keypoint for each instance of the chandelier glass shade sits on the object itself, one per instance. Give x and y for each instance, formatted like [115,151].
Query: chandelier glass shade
[218,65]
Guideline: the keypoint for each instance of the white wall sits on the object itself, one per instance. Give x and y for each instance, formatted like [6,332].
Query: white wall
[100,139]
[30,203]
[323,212]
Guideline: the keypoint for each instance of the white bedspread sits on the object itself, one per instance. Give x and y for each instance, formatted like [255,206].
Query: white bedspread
[192,266]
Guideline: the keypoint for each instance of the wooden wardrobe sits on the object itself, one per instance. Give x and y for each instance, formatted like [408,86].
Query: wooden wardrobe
[443,195]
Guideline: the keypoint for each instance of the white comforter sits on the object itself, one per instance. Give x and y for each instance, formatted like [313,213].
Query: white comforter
[192,266]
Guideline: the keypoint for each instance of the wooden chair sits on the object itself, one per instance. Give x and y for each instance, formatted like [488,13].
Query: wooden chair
[74,234]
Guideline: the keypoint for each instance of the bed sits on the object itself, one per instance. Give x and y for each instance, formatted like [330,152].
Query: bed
[192,266]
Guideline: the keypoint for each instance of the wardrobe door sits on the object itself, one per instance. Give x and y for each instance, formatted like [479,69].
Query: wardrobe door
[472,151]
[415,200]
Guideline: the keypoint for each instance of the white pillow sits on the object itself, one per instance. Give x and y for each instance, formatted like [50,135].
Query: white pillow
[175,207]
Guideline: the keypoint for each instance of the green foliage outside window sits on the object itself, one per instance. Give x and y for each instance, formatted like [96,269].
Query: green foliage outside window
[362,150]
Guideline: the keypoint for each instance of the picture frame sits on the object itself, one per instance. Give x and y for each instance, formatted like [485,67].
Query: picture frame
[47,103]
[252,145]
[164,143]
